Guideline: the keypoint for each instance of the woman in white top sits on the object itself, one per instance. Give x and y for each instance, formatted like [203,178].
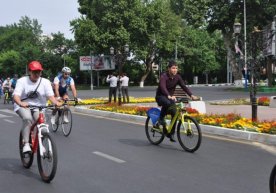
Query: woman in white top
[31,90]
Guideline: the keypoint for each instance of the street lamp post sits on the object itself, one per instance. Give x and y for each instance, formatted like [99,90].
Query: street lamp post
[237,31]
[91,71]
[254,66]
[119,58]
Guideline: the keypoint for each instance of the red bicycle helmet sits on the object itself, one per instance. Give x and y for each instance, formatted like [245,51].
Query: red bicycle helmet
[35,65]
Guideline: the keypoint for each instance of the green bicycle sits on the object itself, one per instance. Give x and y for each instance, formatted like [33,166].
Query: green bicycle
[7,97]
[188,130]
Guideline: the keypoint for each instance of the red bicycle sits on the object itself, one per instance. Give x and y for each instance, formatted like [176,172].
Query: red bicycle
[43,144]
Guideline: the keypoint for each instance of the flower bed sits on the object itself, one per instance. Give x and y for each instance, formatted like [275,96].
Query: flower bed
[94,101]
[232,120]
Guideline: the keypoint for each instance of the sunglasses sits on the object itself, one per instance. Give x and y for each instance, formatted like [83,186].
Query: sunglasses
[66,74]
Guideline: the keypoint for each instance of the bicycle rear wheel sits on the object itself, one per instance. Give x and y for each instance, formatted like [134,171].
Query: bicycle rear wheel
[189,134]
[26,158]
[66,122]
[154,133]
[272,180]
[47,162]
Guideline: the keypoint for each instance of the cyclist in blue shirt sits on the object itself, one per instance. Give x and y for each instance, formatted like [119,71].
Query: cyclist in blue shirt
[61,84]
[14,80]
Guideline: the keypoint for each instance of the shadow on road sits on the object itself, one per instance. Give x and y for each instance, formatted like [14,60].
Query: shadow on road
[14,166]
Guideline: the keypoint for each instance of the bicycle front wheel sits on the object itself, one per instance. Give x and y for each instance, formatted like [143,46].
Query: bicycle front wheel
[66,122]
[26,158]
[189,134]
[47,159]
[272,180]
[154,133]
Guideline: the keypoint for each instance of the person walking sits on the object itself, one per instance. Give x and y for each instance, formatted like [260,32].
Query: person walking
[124,83]
[112,80]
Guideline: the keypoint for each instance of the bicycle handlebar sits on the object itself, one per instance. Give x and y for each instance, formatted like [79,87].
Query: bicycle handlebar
[40,106]
[186,99]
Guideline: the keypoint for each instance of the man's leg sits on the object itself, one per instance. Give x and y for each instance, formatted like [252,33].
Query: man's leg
[27,119]
[126,90]
[115,94]
[110,94]
[124,94]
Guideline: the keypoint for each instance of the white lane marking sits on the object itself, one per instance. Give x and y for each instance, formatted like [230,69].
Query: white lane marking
[4,116]
[9,121]
[109,157]
[8,111]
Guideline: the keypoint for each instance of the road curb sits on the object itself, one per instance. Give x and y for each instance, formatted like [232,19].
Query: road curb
[206,129]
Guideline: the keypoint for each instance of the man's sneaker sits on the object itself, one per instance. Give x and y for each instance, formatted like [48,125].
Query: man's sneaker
[53,119]
[65,119]
[171,137]
[26,148]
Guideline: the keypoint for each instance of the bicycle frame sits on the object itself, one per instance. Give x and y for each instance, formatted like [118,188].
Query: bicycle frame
[178,116]
[37,128]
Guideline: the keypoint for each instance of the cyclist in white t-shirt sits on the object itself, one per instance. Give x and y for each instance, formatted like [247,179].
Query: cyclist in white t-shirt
[31,90]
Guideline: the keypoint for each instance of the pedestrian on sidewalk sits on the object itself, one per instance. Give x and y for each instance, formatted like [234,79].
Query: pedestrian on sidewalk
[112,80]
[124,79]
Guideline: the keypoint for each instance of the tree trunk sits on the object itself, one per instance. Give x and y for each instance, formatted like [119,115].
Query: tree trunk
[231,57]
[149,61]
[269,71]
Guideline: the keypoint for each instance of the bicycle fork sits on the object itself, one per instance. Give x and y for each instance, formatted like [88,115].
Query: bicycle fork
[43,128]
[187,126]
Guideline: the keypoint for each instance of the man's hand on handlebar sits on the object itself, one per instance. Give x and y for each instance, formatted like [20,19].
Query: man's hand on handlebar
[23,104]
[195,98]
[172,98]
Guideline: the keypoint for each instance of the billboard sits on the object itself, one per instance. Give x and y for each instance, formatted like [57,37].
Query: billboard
[97,62]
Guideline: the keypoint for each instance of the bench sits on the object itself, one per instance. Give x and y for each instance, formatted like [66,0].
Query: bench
[179,93]
[198,105]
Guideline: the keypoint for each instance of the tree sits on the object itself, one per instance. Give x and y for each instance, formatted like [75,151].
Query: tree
[147,26]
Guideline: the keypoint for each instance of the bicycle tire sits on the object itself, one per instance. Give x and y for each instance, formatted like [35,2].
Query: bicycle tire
[47,158]
[66,126]
[186,135]
[26,158]
[272,180]
[151,131]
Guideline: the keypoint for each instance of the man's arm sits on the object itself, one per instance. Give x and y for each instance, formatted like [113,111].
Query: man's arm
[56,88]
[74,90]
[163,86]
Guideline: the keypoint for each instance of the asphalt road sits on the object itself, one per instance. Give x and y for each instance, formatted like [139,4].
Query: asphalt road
[209,93]
[103,155]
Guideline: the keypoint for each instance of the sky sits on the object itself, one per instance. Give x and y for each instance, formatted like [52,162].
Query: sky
[53,15]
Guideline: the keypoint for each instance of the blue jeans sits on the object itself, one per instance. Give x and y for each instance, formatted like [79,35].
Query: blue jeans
[168,106]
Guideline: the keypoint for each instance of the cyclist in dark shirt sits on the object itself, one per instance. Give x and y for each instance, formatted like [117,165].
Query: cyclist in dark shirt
[165,94]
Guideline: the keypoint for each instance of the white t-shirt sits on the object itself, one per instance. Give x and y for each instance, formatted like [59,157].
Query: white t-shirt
[112,81]
[24,86]
[124,81]
[63,82]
